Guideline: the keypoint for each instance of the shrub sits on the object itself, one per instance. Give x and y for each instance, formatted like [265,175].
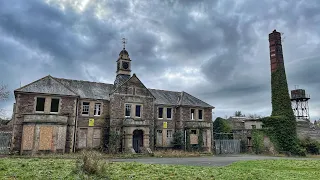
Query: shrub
[114,142]
[178,140]
[257,141]
[91,163]
[311,146]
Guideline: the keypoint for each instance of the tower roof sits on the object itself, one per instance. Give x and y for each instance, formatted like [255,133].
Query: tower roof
[124,52]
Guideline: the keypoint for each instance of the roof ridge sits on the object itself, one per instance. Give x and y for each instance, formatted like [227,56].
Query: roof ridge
[56,79]
[197,99]
[164,90]
[83,81]
[32,82]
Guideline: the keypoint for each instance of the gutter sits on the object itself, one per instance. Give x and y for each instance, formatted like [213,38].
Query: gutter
[75,128]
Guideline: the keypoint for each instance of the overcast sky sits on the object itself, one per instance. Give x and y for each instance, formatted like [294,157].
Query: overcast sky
[216,50]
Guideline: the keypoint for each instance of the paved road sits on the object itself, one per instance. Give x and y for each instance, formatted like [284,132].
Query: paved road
[201,161]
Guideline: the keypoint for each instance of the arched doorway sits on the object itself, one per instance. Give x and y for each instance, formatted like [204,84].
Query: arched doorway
[137,140]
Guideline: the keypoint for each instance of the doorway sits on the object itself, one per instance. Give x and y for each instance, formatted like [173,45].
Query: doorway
[137,140]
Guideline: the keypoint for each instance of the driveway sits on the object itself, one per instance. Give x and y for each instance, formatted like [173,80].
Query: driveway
[201,161]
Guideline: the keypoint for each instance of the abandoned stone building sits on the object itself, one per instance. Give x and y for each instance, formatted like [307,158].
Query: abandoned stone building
[63,115]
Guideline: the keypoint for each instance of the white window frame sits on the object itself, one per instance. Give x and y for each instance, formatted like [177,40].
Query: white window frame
[97,108]
[159,111]
[171,133]
[167,112]
[85,107]
[125,110]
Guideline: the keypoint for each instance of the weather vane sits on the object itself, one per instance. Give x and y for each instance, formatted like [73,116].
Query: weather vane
[124,42]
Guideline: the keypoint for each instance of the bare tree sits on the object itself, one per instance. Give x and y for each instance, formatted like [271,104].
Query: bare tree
[4,94]
[254,116]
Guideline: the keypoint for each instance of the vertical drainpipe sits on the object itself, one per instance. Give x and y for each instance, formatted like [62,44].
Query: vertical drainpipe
[75,127]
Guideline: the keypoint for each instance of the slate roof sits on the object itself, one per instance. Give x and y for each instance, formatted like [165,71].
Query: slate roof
[95,90]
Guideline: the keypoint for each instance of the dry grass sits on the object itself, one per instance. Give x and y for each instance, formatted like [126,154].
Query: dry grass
[178,153]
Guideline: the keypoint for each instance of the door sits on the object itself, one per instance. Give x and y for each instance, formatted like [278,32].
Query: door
[137,140]
[82,140]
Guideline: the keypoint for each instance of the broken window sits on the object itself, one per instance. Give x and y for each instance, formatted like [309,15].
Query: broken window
[169,112]
[40,104]
[97,109]
[200,114]
[169,133]
[85,108]
[193,131]
[128,110]
[138,110]
[54,105]
[192,114]
[160,115]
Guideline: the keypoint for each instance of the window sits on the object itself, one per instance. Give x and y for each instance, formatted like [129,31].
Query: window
[200,114]
[193,131]
[192,114]
[169,133]
[128,110]
[169,112]
[138,110]
[85,108]
[40,104]
[253,126]
[54,105]
[97,109]
[160,115]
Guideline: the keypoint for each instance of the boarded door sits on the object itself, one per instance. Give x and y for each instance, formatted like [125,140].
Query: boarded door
[45,137]
[96,137]
[82,140]
[159,137]
[27,139]
[230,146]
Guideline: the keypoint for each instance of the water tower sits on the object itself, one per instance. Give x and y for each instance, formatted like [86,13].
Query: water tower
[299,102]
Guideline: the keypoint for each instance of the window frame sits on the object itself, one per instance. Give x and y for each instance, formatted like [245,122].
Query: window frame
[125,110]
[171,110]
[59,101]
[82,108]
[159,112]
[192,115]
[171,134]
[135,111]
[36,103]
[95,110]
[200,110]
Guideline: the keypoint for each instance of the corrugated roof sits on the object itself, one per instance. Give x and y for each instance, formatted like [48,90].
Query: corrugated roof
[95,90]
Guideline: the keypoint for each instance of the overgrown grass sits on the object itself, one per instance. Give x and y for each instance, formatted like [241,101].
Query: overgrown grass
[65,169]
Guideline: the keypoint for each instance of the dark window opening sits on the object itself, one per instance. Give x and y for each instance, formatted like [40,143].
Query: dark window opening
[54,105]
[40,104]
[128,110]
[160,115]
[192,114]
[138,110]
[193,131]
[169,111]
[254,126]
[200,114]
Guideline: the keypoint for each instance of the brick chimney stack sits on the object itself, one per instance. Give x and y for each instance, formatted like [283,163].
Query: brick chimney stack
[276,55]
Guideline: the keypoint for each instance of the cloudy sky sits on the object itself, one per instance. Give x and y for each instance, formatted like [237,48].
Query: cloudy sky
[215,50]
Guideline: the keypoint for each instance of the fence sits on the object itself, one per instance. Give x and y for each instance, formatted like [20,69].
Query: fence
[5,139]
[229,146]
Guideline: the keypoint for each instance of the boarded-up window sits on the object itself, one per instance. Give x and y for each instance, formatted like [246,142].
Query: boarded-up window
[82,140]
[61,138]
[160,114]
[40,104]
[96,137]
[54,105]
[169,113]
[45,137]
[28,132]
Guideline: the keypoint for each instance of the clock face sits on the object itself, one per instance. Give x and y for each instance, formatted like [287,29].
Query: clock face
[125,65]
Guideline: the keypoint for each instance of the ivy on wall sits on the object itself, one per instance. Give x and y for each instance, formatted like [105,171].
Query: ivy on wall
[114,142]
[281,126]
[257,141]
[194,147]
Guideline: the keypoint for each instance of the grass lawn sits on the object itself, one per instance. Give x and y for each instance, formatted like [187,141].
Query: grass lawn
[14,168]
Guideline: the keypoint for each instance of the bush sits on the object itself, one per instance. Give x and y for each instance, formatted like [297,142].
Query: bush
[257,141]
[91,164]
[311,146]
[178,140]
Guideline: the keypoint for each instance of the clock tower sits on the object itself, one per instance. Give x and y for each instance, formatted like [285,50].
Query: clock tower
[123,65]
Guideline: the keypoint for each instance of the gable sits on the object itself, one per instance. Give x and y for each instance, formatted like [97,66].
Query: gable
[133,86]
[47,85]
[189,100]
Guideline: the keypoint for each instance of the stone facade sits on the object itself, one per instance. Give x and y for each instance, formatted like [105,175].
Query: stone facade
[63,115]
